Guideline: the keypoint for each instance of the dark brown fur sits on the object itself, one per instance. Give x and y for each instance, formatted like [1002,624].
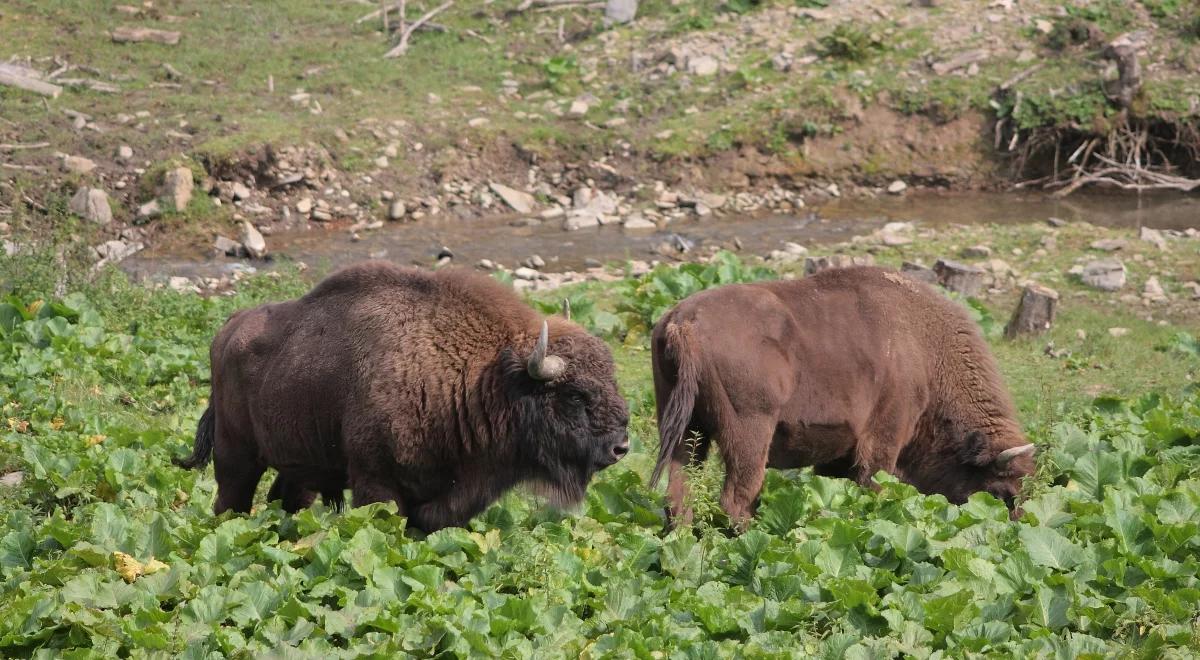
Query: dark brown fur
[851,370]
[407,386]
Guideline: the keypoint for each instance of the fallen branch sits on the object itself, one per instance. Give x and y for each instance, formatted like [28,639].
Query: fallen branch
[1007,84]
[132,35]
[23,147]
[402,47]
[26,168]
[13,79]
[89,83]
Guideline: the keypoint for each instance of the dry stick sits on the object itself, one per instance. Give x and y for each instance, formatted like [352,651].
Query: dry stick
[383,10]
[13,79]
[22,147]
[1021,76]
[403,5]
[403,45]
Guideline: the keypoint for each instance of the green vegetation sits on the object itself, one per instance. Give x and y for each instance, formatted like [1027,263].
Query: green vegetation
[108,550]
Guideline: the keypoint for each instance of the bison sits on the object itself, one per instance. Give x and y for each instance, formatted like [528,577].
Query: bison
[436,391]
[851,370]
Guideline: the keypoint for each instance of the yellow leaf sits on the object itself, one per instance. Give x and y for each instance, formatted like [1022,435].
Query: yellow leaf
[93,440]
[127,567]
[154,566]
[18,425]
[57,423]
[35,306]
[307,543]
[488,542]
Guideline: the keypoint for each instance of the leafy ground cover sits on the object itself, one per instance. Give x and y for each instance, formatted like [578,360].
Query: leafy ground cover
[106,549]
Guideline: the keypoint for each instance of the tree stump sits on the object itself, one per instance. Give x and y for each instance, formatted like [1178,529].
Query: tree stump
[919,272]
[959,277]
[1035,313]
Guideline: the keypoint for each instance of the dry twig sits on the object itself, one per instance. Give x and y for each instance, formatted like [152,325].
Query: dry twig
[402,47]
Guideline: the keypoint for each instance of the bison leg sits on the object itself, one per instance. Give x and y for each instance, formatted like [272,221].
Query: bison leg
[237,475]
[686,454]
[878,448]
[292,496]
[744,448]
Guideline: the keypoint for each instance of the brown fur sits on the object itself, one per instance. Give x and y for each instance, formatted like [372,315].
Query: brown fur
[410,387]
[851,370]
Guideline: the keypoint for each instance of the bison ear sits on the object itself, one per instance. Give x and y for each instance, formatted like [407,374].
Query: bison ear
[975,450]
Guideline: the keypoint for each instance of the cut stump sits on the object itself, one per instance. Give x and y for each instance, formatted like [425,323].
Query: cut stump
[1035,313]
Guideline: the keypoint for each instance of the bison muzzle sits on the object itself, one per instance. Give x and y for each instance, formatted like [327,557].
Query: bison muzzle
[851,370]
[436,391]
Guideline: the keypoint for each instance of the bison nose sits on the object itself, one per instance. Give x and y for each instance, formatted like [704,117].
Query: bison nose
[619,450]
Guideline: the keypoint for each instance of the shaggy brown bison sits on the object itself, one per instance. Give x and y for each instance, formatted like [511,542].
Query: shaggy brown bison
[437,391]
[851,370]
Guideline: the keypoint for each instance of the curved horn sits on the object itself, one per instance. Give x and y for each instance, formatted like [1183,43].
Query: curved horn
[1006,456]
[567,308]
[540,365]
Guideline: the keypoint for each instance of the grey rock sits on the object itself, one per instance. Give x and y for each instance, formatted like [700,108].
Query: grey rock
[148,211]
[304,206]
[895,234]
[1109,244]
[638,222]
[521,202]
[397,210]
[977,252]
[897,187]
[1056,222]
[91,204]
[525,273]
[1153,236]
[252,239]
[1104,274]
[177,188]
[78,164]
[227,246]
[704,65]
[620,11]
[581,220]
[124,153]
[240,191]
[535,262]
[1153,291]
[12,479]
[117,250]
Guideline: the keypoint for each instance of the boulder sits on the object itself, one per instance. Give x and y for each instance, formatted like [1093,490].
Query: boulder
[91,204]
[177,188]
[253,241]
[519,201]
[1104,274]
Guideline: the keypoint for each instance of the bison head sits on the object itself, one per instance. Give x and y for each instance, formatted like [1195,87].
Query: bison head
[978,465]
[569,419]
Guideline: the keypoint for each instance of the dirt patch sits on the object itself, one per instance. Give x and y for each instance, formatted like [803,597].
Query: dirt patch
[884,144]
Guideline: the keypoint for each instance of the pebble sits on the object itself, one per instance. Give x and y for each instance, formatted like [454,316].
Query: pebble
[304,206]
[1118,332]
[977,252]
[897,187]
[252,239]
[397,210]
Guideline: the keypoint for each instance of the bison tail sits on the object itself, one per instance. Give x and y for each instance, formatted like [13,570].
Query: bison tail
[677,413]
[203,449]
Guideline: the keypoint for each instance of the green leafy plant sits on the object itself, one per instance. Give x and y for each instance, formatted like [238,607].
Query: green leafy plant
[561,70]
[850,42]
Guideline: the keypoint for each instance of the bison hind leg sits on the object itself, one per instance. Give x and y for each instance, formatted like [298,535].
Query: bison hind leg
[291,494]
[744,447]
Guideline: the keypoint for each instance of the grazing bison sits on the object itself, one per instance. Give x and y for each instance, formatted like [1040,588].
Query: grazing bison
[437,391]
[851,370]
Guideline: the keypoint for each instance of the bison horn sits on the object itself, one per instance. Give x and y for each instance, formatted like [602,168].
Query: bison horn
[540,365]
[1006,456]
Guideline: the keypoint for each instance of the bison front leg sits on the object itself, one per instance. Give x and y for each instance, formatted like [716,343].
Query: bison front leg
[744,446]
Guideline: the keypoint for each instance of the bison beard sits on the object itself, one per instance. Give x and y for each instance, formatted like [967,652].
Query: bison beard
[438,392]
[851,371]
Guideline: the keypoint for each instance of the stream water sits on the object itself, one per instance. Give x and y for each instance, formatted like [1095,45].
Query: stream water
[495,238]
